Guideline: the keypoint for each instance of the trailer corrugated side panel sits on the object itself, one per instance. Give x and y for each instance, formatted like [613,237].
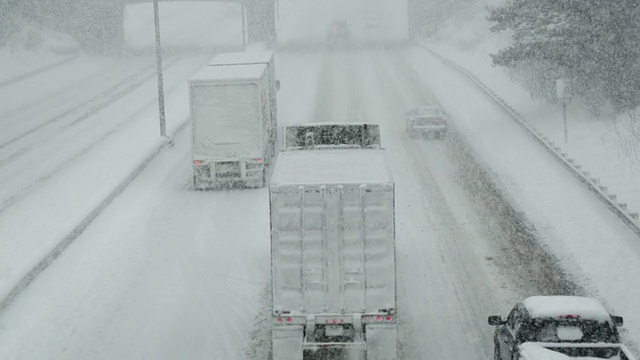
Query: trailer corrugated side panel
[333,247]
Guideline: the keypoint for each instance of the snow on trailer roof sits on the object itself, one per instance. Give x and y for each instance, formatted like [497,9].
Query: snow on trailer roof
[557,306]
[261,57]
[248,72]
[316,167]
[316,124]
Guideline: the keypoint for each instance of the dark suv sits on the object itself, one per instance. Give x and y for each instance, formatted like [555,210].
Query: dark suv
[556,319]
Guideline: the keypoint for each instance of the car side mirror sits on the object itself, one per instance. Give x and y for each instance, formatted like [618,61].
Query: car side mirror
[277,85]
[495,320]
[617,320]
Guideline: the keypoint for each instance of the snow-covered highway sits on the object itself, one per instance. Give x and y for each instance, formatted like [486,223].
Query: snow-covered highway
[166,272]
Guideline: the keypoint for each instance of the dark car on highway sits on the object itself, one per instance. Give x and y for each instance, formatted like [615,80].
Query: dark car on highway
[556,319]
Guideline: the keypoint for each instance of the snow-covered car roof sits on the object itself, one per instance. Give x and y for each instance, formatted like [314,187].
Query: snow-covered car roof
[230,72]
[261,57]
[315,167]
[559,306]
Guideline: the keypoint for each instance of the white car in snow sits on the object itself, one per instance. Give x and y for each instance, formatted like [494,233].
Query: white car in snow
[426,120]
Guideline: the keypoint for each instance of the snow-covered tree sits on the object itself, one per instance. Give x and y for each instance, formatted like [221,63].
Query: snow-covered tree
[593,43]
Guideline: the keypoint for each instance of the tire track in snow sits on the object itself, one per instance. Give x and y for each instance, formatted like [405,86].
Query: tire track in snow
[66,96]
[71,117]
[324,103]
[539,273]
[27,189]
[448,289]
[33,73]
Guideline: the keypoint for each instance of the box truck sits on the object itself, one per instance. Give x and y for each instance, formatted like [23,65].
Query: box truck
[232,128]
[256,58]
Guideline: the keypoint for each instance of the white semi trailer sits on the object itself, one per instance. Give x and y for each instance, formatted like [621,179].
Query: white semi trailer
[333,246]
[233,139]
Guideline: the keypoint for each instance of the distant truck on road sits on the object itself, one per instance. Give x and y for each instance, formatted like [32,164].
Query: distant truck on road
[333,245]
[233,132]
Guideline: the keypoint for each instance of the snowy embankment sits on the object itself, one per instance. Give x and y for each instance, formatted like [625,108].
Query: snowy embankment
[605,146]
[33,234]
[593,244]
[31,49]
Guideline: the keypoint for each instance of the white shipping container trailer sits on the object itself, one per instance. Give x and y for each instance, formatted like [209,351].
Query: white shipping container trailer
[333,255]
[256,58]
[232,127]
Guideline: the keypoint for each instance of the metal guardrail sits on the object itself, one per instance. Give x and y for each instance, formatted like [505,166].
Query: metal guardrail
[601,191]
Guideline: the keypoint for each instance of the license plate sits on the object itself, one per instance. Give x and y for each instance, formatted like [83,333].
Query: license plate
[334,330]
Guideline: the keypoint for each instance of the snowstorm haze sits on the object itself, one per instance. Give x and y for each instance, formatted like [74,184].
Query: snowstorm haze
[316,179]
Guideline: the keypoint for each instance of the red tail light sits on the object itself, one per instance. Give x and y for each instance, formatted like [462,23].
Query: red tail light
[379,318]
[259,160]
[576,317]
[198,162]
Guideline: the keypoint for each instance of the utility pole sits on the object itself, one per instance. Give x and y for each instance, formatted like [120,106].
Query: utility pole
[564,117]
[163,125]
[564,96]
[243,14]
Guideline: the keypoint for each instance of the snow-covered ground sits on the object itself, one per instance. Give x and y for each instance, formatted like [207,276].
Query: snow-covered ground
[32,48]
[165,272]
[607,146]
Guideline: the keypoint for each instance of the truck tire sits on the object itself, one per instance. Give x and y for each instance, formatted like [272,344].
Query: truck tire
[196,184]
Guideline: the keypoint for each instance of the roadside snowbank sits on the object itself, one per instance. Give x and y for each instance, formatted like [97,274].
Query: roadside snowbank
[606,146]
[572,223]
[32,48]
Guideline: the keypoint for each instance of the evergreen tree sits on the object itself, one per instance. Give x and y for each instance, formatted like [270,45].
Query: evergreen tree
[593,43]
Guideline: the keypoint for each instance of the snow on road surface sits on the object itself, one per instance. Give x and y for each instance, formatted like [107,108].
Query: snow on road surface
[593,245]
[60,159]
[167,272]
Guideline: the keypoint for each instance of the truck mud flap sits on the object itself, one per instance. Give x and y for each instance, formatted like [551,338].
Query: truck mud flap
[287,343]
[382,342]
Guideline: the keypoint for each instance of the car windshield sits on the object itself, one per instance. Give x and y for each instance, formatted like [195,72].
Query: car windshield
[425,121]
[551,330]
[427,111]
